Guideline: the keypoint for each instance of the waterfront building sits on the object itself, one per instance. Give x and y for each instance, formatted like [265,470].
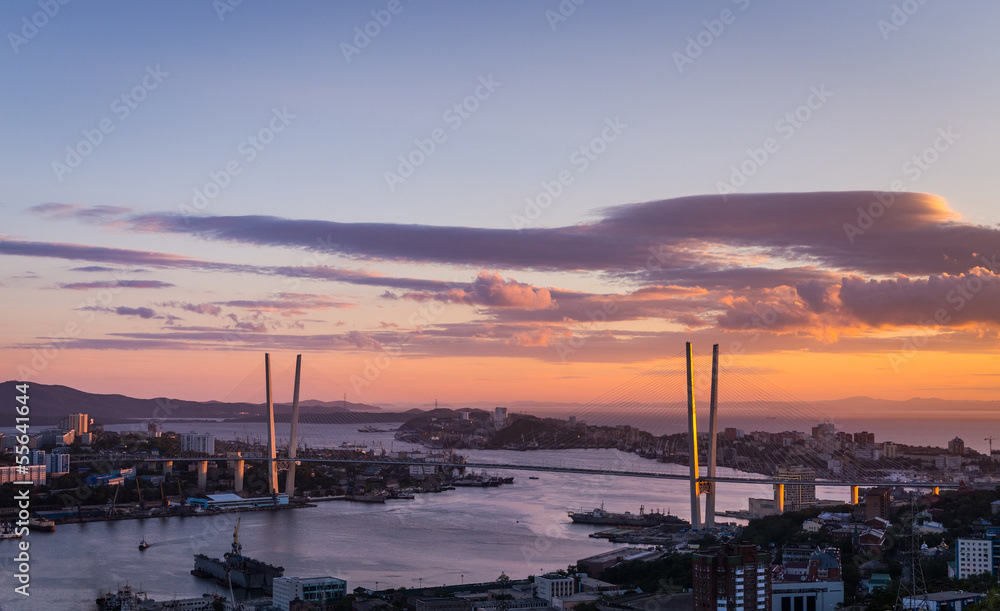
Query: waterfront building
[798,496]
[553,585]
[732,578]
[308,589]
[234,501]
[194,442]
[595,565]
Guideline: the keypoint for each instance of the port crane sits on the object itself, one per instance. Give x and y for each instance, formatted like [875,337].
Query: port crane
[991,439]
[114,503]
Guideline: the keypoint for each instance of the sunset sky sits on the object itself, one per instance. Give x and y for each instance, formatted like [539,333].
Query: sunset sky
[500,202]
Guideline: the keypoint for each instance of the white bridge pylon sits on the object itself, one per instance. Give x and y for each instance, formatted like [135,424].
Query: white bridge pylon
[698,485]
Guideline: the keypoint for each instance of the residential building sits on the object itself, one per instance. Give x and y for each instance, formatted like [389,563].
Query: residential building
[798,495]
[56,437]
[973,556]
[942,601]
[194,442]
[78,423]
[311,589]
[762,507]
[808,579]
[554,585]
[500,417]
[20,473]
[732,578]
[948,461]
[36,457]
[825,429]
[864,438]
[956,446]
[889,449]
[878,503]
[57,464]
[806,595]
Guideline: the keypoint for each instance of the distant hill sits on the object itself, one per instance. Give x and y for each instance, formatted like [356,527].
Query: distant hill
[50,403]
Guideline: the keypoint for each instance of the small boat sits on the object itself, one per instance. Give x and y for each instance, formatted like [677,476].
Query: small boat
[532,477]
[41,524]
[142,544]
[7,531]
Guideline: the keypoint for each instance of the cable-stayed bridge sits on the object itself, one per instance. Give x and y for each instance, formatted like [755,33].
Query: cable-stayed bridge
[664,398]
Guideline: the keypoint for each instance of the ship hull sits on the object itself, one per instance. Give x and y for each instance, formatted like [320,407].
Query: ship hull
[249,574]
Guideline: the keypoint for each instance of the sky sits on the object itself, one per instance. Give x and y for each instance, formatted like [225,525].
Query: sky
[533,201]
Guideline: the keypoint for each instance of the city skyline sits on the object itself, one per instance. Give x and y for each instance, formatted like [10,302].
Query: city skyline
[473,204]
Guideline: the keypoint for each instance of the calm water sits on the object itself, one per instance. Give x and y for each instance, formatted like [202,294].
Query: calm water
[465,534]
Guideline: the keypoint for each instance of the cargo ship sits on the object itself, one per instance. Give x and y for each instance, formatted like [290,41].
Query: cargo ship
[234,567]
[655,518]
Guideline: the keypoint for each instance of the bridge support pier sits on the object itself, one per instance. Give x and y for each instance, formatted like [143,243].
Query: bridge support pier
[693,444]
[202,474]
[935,490]
[854,495]
[238,485]
[779,498]
[168,466]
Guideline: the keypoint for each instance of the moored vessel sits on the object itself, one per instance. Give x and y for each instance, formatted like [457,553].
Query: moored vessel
[655,518]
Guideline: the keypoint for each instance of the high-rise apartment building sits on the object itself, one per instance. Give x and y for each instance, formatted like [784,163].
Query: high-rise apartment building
[193,442]
[78,423]
[798,495]
[735,577]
